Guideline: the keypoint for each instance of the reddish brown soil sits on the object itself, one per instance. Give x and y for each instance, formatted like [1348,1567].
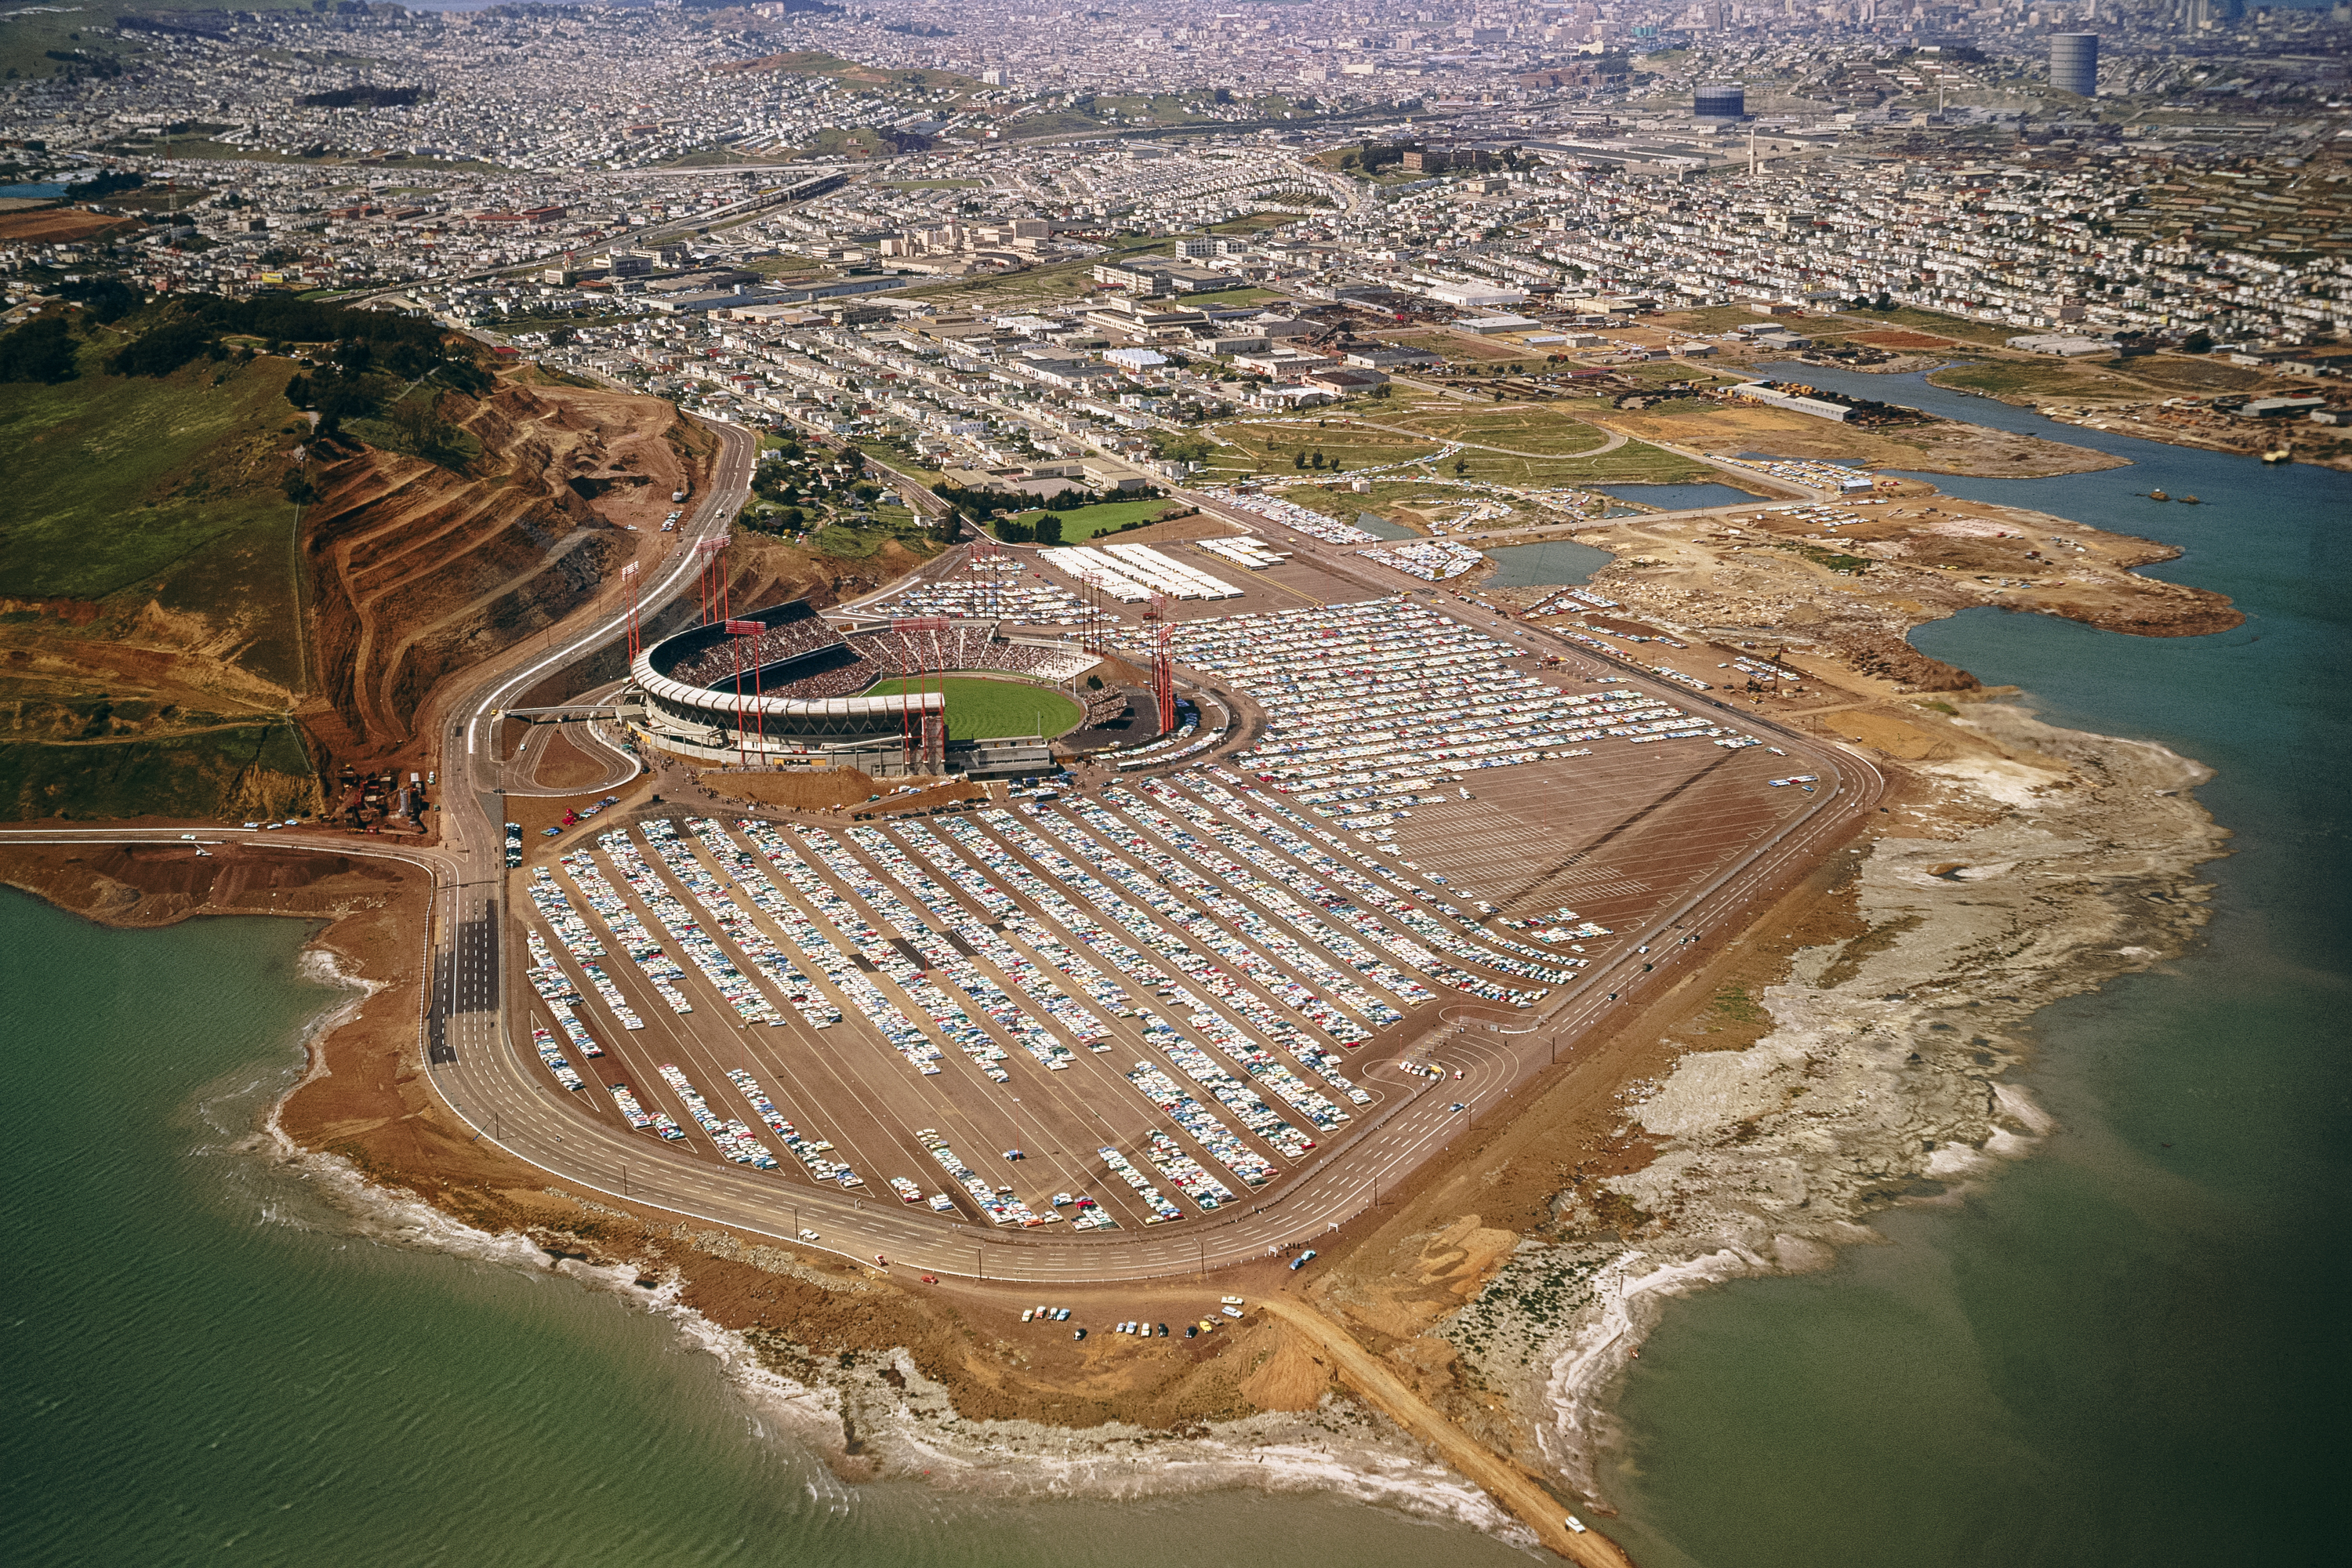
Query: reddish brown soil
[422,570]
[563,765]
[55,224]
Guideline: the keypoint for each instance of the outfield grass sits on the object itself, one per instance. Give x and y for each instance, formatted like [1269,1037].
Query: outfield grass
[1086,521]
[980,710]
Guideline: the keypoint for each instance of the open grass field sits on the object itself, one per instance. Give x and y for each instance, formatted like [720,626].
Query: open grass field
[1086,521]
[982,709]
[1636,462]
[1274,446]
[2174,374]
[2039,378]
[231,771]
[1908,319]
[128,490]
[1233,298]
[1520,426]
[1707,318]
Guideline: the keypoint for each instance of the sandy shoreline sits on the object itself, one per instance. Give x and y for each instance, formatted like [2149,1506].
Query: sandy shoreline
[2018,879]
[1862,1043]
[1883,1077]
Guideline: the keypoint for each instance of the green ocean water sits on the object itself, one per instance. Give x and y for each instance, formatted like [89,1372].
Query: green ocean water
[207,1363]
[2127,1349]
[2118,1352]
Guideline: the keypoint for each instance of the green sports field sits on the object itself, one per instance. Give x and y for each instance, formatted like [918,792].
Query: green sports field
[982,709]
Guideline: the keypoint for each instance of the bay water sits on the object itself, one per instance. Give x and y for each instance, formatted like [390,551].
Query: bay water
[206,1362]
[2127,1349]
[2120,1351]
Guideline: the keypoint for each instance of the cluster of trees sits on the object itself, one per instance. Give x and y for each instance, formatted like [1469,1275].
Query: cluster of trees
[188,326]
[1045,529]
[42,350]
[979,503]
[365,98]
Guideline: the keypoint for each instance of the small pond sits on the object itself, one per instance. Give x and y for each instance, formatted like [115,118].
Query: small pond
[1678,498]
[1381,528]
[1555,563]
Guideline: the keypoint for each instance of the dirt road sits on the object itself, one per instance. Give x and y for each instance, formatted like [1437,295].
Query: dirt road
[1502,1480]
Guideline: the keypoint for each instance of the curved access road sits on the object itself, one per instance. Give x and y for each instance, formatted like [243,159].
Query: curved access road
[488,1077]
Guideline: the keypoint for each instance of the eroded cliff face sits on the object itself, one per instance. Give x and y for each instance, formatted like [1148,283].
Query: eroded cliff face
[420,570]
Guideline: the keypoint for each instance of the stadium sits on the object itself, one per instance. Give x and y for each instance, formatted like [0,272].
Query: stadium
[783,688]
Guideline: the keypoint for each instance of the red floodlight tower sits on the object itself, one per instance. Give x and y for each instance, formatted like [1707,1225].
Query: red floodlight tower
[1163,681]
[714,578]
[629,588]
[1090,615]
[738,631]
[922,737]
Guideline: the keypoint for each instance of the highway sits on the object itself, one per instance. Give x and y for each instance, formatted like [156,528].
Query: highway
[490,1079]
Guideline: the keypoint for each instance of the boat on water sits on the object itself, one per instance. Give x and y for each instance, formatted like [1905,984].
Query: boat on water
[2282,455]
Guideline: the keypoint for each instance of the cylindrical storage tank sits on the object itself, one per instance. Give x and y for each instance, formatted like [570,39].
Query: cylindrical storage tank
[2074,63]
[1721,100]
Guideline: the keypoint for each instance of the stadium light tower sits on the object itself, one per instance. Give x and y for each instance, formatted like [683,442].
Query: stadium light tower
[740,632]
[629,587]
[714,578]
[1163,681]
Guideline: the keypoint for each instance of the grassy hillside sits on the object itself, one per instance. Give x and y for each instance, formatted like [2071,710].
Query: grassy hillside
[234,771]
[151,593]
[127,490]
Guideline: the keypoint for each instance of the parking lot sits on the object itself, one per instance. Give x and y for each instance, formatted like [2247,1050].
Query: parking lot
[1175,997]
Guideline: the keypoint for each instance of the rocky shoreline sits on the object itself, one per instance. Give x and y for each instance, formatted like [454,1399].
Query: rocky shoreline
[1881,1066]
[1891,1070]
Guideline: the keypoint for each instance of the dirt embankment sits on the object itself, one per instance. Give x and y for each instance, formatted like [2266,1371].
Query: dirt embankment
[1856,1047]
[834,789]
[160,884]
[420,570]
